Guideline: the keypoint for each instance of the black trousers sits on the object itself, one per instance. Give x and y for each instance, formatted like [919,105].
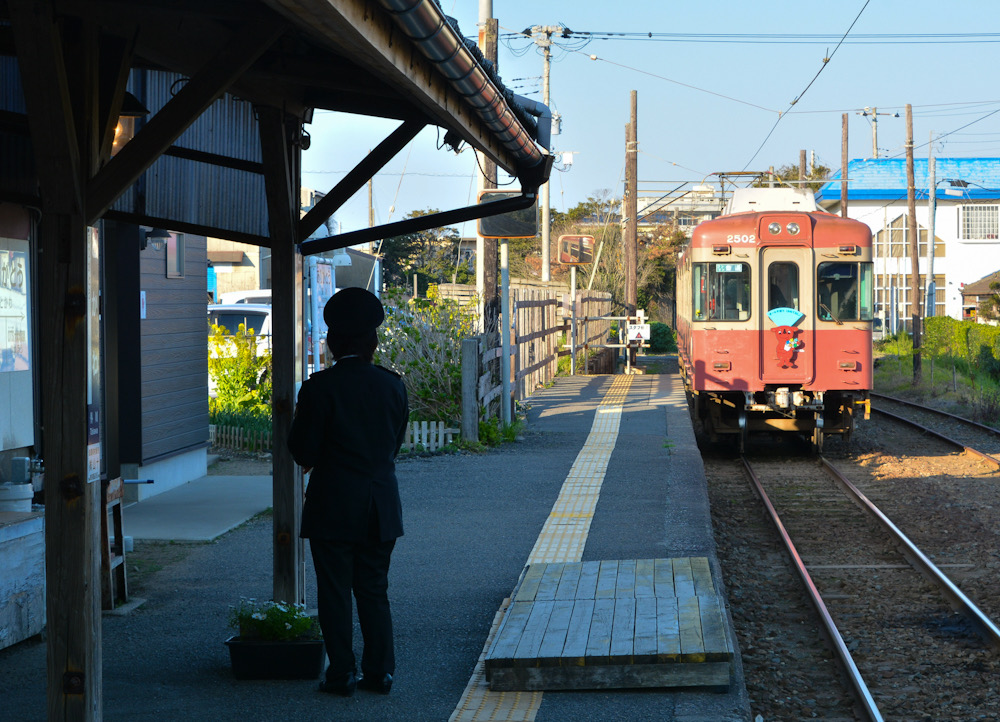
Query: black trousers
[343,567]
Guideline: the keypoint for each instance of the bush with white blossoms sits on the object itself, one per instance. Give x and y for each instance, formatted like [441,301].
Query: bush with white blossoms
[272,621]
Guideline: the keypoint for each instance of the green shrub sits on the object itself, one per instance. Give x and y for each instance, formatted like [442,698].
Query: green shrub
[661,338]
[422,342]
[241,373]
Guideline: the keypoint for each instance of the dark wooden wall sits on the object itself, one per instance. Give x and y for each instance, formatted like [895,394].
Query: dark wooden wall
[174,341]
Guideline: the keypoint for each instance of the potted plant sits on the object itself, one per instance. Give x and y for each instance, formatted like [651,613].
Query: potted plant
[276,640]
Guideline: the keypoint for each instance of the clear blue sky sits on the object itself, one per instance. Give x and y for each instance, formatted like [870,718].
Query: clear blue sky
[898,52]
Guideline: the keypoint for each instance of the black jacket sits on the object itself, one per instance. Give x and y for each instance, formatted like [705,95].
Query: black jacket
[350,421]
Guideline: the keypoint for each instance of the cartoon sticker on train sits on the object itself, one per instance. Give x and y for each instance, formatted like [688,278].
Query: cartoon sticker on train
[774,318]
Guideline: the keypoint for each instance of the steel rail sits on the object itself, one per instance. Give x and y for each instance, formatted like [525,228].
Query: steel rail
[928,409]
[861,692]
[919,561]
[938,434]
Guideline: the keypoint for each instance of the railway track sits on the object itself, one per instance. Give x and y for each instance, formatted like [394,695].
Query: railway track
[969,435]
[915,658]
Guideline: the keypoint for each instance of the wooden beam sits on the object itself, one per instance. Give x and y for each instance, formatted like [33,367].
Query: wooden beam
[359,175]
[46,95]
[199,229]
[243,48]
[281,182]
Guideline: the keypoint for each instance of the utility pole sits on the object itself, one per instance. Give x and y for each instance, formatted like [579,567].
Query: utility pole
[486,248]
[843,166]
[874,114]
[542,35]
[930,304]
[802,168]
[631,206]
[911,201]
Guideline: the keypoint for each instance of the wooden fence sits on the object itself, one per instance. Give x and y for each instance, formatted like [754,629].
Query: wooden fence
[425,435]
[238,438]
[428,435]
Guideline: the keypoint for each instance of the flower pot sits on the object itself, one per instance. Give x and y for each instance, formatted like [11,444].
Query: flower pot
[259,659]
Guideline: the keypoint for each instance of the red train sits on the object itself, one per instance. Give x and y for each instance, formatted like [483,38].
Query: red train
[774,318]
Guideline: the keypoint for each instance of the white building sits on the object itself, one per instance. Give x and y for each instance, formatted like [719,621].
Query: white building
[966,227]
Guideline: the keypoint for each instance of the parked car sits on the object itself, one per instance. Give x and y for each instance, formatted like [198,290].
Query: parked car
[260,295]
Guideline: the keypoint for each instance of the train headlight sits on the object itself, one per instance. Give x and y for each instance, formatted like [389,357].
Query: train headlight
[793,228]
[774,228]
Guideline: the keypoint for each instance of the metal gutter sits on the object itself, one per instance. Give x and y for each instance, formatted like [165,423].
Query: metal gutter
[430,30]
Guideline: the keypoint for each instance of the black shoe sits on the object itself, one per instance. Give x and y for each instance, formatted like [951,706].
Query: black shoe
[344,687]
[382,684]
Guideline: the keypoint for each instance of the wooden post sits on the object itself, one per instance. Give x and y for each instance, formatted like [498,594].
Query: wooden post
[802,168]
[843,166]
[911,200]
[470,397]
[281,163]
[629,239]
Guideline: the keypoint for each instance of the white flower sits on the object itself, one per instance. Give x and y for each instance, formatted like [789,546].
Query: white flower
[287,625]
[258,616]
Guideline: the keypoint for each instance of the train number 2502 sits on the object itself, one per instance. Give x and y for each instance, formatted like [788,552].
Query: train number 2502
[737,238]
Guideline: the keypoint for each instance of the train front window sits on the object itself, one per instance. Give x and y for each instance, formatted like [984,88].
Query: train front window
[721,291]
[844,291]
[782,286]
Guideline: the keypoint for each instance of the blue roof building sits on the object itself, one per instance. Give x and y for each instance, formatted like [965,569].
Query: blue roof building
[966,225]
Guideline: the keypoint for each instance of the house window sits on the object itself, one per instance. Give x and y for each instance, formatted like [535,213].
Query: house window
[175,256]
[891,241]
[978,223]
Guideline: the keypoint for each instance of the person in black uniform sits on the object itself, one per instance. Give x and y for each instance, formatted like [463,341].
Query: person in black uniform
[348,427]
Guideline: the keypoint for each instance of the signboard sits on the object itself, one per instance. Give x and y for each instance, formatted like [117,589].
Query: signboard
[576,250]
[514,224]
[14,346]
[638,332]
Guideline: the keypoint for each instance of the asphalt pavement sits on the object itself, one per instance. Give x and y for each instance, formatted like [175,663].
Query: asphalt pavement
[470,523]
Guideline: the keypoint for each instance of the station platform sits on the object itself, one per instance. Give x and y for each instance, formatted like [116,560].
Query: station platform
[606,471]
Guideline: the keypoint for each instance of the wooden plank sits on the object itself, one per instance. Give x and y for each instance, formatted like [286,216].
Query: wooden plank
[692,642]
[702,575]
[587,587]
[633,676]
[668,637]
[526,653]
[663,577]
[569,581]
[607,579]
[554,640]
[530,580]
[644,638]
[683,577]
[713,630]
[625,583]
[575,649]
[644,584]
[509,635]
[623,631]
[549,582]
[601,624]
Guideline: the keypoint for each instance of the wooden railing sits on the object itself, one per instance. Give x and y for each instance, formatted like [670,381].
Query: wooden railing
[428,436]
[238,438]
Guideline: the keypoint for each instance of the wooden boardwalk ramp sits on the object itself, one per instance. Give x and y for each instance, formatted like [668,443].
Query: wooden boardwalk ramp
[612,624]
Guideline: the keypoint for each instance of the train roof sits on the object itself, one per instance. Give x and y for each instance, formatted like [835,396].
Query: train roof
[757,200]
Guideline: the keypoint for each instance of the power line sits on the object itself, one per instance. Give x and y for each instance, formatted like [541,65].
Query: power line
[826,61]
[780,38]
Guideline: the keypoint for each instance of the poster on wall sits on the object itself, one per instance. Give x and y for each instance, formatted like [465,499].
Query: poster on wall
[14,328]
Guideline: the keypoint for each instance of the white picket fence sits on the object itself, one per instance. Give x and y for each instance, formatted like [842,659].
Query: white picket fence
[428,435]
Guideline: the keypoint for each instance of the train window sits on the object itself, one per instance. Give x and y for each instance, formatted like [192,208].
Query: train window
[783,286]
[844,291]
[721,291]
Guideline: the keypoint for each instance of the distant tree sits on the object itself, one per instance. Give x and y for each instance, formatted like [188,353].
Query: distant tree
[817,176]
[431,254]
[990,308]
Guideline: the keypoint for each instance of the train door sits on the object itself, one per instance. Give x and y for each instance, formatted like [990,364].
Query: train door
[786,330]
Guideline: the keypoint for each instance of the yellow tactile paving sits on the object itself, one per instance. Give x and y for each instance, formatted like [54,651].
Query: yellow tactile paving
[562,539]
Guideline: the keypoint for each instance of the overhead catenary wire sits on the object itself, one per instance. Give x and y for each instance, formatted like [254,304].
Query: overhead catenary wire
[826,61]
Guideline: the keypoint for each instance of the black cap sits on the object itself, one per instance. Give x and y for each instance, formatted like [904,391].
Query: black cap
[353,312]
